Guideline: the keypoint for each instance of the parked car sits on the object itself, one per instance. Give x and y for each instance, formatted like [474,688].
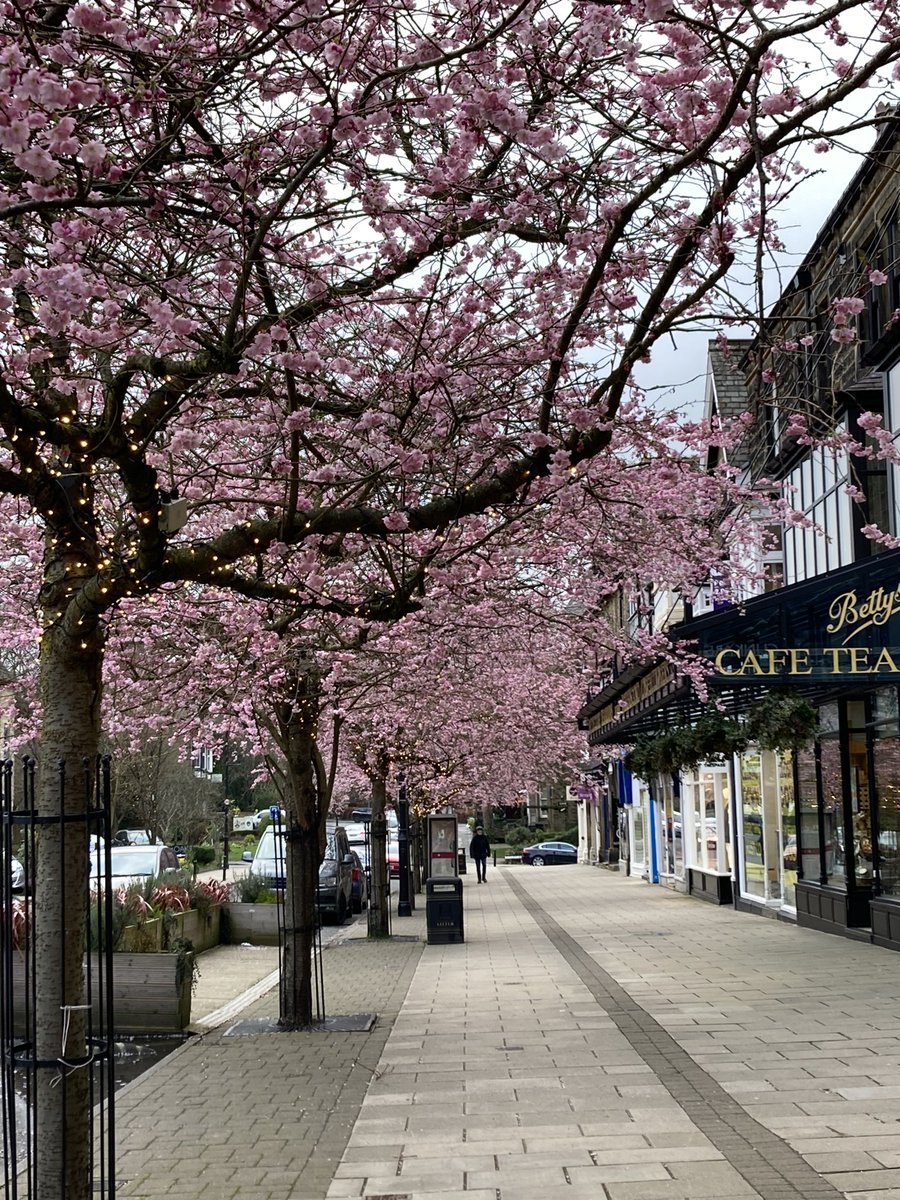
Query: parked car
[550,853]
[359,843]
[17,875]
[267,813]
[135,864]
[359,889]
[393,859]
[334,892]
[133,837]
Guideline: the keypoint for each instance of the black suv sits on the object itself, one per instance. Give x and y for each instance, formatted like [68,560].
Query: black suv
[333,895]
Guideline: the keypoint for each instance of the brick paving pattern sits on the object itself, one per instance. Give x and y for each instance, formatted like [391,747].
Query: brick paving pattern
[593,1038]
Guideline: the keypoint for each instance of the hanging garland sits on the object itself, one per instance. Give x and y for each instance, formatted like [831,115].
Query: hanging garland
[712,738]
[778,721]
[781,721]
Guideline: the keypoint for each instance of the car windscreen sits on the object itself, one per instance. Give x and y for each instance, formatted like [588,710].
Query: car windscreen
[144,863]
[266,848]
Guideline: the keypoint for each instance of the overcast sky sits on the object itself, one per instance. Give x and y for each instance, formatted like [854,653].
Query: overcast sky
[676,377]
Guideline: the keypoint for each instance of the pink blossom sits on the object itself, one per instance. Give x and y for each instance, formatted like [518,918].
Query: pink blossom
[93,154]
[843,334]
[876,277]
[396,522]
[37,162]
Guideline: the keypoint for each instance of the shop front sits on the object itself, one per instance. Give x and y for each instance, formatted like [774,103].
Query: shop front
[811,828]
[767,830]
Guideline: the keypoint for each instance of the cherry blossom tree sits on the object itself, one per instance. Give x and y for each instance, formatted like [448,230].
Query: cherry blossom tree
[343,287]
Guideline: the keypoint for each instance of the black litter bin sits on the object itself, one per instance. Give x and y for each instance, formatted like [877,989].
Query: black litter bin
[444,911]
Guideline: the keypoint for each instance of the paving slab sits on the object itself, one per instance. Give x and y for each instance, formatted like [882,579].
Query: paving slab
[593,1037]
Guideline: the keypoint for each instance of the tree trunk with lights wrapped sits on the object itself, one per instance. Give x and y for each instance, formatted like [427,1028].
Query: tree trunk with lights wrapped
[70,685]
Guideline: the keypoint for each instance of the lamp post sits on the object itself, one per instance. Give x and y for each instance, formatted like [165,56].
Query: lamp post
[403,905]
[225,823]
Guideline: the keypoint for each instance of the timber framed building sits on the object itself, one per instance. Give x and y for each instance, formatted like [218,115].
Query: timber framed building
[811,835]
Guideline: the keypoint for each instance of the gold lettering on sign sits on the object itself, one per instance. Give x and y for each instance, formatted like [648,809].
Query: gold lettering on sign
[848,612]
[802,660]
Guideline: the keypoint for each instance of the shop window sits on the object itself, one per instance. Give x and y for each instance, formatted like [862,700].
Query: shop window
[886,781]
[810,859]
[768,841]
[671,832]
[833,811]
[862,850]
[752,826]
[639,840]
[707,796]
[788,842]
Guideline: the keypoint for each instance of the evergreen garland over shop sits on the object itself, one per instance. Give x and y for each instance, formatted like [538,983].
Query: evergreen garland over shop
[778,721]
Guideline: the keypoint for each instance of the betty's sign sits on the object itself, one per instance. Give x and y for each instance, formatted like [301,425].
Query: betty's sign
[845,634]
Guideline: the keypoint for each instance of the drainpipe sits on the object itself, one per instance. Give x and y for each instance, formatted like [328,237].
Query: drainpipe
[654,864]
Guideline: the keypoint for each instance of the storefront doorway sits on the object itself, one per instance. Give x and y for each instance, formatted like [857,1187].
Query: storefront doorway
[768,842]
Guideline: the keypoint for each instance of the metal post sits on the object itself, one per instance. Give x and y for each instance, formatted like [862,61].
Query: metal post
[404,908]
[227,814]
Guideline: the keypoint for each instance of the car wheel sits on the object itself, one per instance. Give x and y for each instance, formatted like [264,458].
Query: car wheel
[537,861]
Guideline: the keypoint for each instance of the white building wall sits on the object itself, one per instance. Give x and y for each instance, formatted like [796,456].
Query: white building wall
[892,421]
[816,489]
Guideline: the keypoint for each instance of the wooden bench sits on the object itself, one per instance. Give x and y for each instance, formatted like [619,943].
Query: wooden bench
[513,858]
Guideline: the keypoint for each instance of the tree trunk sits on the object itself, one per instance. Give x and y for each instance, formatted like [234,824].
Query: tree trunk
[304,849]
[70,686]
[379,916]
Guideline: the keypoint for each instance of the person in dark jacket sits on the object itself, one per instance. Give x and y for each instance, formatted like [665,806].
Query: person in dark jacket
[479,849]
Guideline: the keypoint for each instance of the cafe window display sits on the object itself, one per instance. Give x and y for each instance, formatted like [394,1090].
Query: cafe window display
[849,808]
[769,852]
[671,828]
[707,797]
[886,779]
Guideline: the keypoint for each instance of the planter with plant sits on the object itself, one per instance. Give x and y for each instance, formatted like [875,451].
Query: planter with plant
[252,914]
[151,990]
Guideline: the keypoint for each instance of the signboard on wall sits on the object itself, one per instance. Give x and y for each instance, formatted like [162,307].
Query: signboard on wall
[843,626]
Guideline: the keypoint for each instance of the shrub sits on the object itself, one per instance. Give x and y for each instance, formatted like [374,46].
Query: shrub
[252,889]
[202,855]
[518,835]
[570,835]
[781,721]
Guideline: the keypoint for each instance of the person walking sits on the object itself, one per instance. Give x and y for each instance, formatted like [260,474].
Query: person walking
[479,849]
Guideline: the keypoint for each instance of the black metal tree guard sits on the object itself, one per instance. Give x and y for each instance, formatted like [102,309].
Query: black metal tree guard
[281,837]
[20,1068]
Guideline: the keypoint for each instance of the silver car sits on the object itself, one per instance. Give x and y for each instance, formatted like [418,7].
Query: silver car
[17,875]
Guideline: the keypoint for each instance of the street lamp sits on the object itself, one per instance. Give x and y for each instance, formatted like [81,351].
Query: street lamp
[404,908]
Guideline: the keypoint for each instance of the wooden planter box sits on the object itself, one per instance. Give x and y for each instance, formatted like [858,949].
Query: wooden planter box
[144,938]
[254,923]
[151,993]
[203,932]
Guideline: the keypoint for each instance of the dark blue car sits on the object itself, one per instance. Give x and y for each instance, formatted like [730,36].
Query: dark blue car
[546,854]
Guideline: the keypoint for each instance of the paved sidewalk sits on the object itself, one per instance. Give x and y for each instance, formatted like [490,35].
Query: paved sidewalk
[598,1038]
[593,1038]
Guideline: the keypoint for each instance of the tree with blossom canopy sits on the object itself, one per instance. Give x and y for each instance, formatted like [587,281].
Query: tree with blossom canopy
[343,286]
